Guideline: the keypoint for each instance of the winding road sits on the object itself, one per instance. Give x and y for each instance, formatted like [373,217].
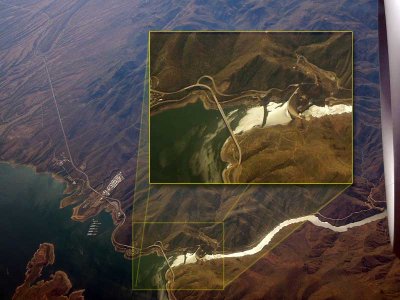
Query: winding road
[112,201]
[207,88]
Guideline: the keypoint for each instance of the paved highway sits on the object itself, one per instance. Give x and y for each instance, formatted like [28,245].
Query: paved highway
[207,88]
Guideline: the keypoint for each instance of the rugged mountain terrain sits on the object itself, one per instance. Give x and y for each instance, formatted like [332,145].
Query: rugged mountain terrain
[96,56]
[316,263]
[248,69]
[72,40]
[247,61]
[314,151]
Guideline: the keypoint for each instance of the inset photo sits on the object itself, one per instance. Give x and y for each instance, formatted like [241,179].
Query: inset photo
[256,107]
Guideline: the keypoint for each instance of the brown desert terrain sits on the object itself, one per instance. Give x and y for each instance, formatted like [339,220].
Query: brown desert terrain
[56,288]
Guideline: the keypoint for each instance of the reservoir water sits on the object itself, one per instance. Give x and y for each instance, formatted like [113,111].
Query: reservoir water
[185,143]
[30,215]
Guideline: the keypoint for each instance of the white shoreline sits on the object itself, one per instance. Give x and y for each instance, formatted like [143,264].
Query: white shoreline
[278,115]
[319,112]
[192,257]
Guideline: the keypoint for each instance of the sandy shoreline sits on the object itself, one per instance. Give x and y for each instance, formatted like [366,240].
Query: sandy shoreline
[277,115]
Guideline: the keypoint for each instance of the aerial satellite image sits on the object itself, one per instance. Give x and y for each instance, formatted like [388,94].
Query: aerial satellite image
[103,104]
[251,107]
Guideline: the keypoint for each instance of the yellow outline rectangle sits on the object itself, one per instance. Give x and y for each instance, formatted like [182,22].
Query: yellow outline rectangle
[183,222]
[252,183]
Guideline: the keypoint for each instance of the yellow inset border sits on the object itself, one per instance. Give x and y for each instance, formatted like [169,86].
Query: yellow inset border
[177,222]
[252,183]
[225,284]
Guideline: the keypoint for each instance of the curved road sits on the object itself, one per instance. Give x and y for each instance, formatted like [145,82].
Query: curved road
[207,88]
[112,201]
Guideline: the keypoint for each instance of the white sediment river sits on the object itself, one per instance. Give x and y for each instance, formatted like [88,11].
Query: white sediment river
[318,111]
[278,115]
[192,257]
[254,117]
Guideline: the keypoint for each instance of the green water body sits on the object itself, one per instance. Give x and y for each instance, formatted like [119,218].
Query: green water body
[148,273]
[185,144]
[30,215]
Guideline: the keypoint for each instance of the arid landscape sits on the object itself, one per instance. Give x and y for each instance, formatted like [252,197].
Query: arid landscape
[55,288]
[74,103]
[275,105]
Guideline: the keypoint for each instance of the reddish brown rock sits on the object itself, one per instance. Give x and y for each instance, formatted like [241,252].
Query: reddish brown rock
[56,288]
